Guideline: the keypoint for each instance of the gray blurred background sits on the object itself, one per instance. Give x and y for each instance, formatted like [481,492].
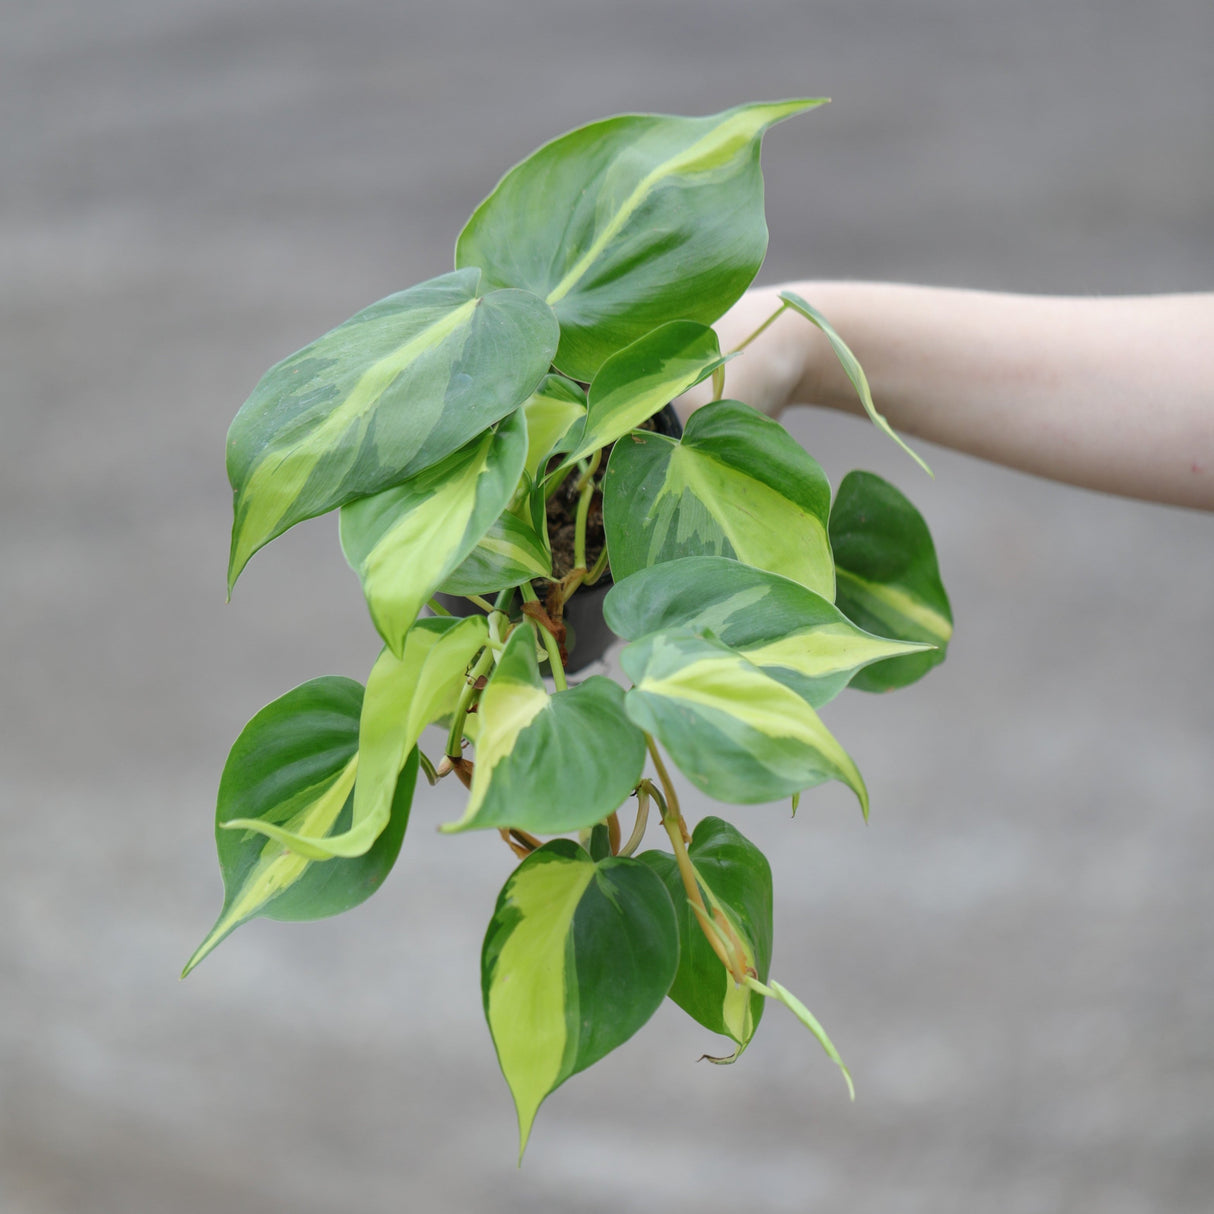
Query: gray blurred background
[1016,956]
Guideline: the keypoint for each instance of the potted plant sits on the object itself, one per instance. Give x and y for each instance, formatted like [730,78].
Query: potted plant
[458,426]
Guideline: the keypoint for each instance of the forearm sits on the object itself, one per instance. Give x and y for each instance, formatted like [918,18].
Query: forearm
[1114,394]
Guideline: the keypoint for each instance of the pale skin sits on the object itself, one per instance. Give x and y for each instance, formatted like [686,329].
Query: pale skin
[1114,394]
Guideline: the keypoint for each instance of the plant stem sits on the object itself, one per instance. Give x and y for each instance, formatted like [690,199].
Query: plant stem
[482,666]
[597,569]
[585,491]
[638,831]
[770,320]
[437,607]
[549,641]
[483,604]
[671,804]
[427,767]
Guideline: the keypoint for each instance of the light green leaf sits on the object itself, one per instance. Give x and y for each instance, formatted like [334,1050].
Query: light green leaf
[735,882]
[549,763]
[403,696]
[577,957]
[643,379]
[395,389]
[294,764]
[736,485]
[554,414]
[734,731]
[406,541]
[851,368]
[628,223]
[790,632]
[889,580]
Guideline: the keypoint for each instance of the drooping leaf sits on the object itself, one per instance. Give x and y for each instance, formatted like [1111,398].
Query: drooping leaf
[294,764]
[736,484]
[642,379]
[549,763]
[773,990]
[628,223]
[393,390]
[577,957]
[406,541]
[851,368]
[735,882]
[790,632]
[889,581]
[554,413]
[734,731]
[403,696]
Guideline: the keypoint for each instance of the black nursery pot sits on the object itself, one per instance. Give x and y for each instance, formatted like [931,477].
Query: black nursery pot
[587,636]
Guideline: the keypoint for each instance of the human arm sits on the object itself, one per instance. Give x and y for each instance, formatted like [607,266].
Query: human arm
[1115,394]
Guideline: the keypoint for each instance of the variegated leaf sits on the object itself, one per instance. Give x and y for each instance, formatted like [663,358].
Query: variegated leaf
[889,580]
[294,765]
[549,763]
[734,731]
[628,223]
[508,554]
[642,379]
[577,957]
[793,634]
[735,882]
[851,368]
[554,416]
[395,389]
[406,541]
[403,696]
[736,485]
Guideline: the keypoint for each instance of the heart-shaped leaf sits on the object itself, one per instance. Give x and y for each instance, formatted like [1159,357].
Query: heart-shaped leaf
[577,957]
[393,390]
[549,763]
[736,484]
[734,731]
[889,581]
[294,765]
[788,631]
[628,223]
[735,882]
[555,413]
[406,541]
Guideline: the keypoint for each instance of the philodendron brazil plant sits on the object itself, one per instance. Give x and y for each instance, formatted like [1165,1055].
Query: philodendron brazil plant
[457,427]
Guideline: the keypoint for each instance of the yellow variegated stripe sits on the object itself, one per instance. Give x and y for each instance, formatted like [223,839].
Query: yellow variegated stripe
[731,685]
[827,649]
[897,608]
[711,152]
[531,997]
[763,527]
[277,481]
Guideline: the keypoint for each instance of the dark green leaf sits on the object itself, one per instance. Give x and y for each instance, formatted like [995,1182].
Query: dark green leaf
[889,581]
